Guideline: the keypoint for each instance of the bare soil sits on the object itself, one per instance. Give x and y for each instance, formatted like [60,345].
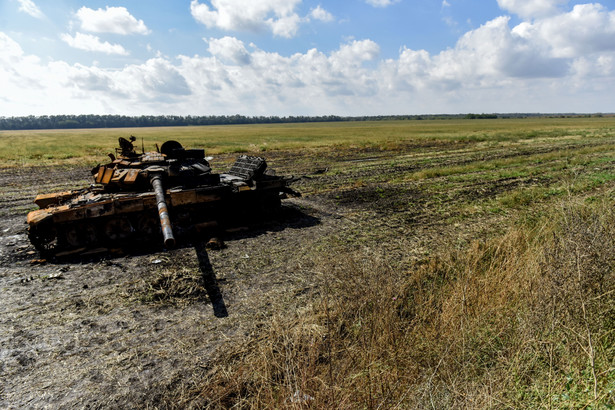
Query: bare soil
[111,332]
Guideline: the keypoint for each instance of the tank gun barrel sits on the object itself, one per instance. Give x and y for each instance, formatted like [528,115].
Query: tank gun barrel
[163,212]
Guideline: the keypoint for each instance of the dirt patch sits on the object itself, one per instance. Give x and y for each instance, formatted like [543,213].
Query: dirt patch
[382,199]
[113,331]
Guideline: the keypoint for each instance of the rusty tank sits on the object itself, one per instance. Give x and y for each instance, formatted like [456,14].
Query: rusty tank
[156,196]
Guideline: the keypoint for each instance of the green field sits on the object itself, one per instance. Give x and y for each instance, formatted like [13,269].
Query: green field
[455,264]
[86,146]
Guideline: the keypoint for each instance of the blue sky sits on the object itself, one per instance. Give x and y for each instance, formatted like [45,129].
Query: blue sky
[305,57]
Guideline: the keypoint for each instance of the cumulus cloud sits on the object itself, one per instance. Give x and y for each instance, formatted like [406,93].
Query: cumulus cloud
[89,79]
[24,80]
[116,20]
[356,52]
[496,55]
[532,66]
[588,28]
[89,42]
[278,16]
[155,79]
[138,85]
[28,6]
[532,8]
[526,64]
[9,48]
[489,56]
[229,49]
[274,82]
[285,26]
[496,50]
[57,87]
[321,14]
[381,3]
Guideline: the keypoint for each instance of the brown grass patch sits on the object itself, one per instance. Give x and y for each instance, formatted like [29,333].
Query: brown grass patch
[521,320]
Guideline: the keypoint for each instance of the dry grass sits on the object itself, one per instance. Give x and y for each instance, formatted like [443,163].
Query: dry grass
[522,320]
[170,286]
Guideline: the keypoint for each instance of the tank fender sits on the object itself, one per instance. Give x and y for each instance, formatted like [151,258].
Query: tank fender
[38,216]
[47,200]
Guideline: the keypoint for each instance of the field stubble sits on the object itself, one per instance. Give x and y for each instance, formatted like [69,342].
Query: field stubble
[428,271]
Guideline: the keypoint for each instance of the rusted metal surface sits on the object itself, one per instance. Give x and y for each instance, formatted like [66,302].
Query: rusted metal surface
[45,200]
[163,212]
[140,196]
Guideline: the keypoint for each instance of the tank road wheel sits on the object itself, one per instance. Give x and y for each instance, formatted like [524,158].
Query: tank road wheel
[117,229]
[148,225]
[72,236]
[44,238]
[79,235]
[90,236]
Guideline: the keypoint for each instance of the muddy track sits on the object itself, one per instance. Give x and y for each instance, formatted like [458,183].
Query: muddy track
[409,162]
[18,186]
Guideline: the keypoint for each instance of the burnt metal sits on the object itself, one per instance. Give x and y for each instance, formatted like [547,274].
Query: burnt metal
[157,195]
[163,212]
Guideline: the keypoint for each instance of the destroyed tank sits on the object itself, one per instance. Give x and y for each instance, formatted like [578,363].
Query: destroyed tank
[140,197]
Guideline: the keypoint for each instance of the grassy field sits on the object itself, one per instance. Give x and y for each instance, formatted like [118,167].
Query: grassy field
[473,264]
[87,146]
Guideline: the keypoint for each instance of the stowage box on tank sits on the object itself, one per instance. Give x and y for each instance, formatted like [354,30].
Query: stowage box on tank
[140,197]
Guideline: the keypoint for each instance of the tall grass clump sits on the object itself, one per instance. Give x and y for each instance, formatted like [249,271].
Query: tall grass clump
[525,319]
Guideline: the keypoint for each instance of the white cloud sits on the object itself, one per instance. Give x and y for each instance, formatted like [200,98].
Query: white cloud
[381,3]
[278,16]
[564,62]
[588,28]
[532,8]
[490,56]
[321,14]
[31,87]
[272,83]
[26,85]
[116,20]
[229,49]
[28,6]
[595,67]
[285,26]
[356,52]
[9,48]
[89,42]
[155,80]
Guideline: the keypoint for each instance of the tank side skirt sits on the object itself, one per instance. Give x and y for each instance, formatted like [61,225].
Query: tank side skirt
[126,218]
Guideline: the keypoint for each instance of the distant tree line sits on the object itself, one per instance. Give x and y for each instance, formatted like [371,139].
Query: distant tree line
[480,116]
[122,121]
